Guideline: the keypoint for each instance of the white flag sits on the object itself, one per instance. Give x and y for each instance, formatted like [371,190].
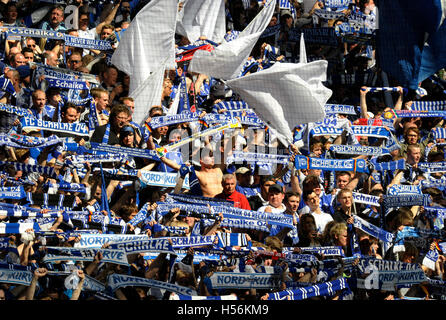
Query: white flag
[148,94]
[227,60]
[285,95]
[302,50]
[202,18]
[261,20]
[148,41]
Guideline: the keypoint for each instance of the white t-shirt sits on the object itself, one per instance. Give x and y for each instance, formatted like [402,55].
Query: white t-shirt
[321,220]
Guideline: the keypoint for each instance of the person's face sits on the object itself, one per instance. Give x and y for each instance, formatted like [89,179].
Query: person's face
[317,151]
[130,104]
[346,200]
[167,88]
[342,238]
[208,161]
[11,14]
[313,201]
[273,21]
[128,139]
[162,130]
[2,294]
[229,185]
[244,179]
[39,100]
[111,76]
[74,33]
[83,22]
[105,33]
[413,156]
[293,203]
[342,181]
[266,185]
[102,101]
[56,17]
[411,137]
[70,116]
[19,60]
[74,62]
[29,56]
[31,43]
[275,199]
[120,120]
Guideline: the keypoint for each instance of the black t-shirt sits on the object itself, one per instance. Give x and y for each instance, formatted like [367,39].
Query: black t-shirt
[99,132]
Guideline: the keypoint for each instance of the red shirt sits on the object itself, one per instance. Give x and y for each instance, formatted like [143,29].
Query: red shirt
[239,199]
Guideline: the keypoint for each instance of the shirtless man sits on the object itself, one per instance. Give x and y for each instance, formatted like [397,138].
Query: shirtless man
[209,176]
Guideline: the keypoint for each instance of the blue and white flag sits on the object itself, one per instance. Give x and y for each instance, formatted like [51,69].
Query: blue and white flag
[14,228]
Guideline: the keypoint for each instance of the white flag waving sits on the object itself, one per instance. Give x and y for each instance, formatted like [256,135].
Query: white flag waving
[227,60]
[148,94]
[286,95]
[148,41]
[202,18]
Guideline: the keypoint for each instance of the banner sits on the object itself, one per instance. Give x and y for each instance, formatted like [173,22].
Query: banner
[325,35]
[162,179]
[98,240]
[359,150]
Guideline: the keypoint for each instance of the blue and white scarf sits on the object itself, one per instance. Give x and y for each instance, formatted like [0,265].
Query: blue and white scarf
[391,165]
[161,179]
[21,112]
[324,289]
[232,280]
[372,230]
[85,254]
[399,189]
[22,141]
[357,165]
[406,200]
[77,128]
[366,199]
[340,109]
[428,105]
[67,83]
[251,157]
[14,228]
[358,149]
[116,281]
[12,192]
[135,152]
[138,246]
[98,240]
[430,167]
